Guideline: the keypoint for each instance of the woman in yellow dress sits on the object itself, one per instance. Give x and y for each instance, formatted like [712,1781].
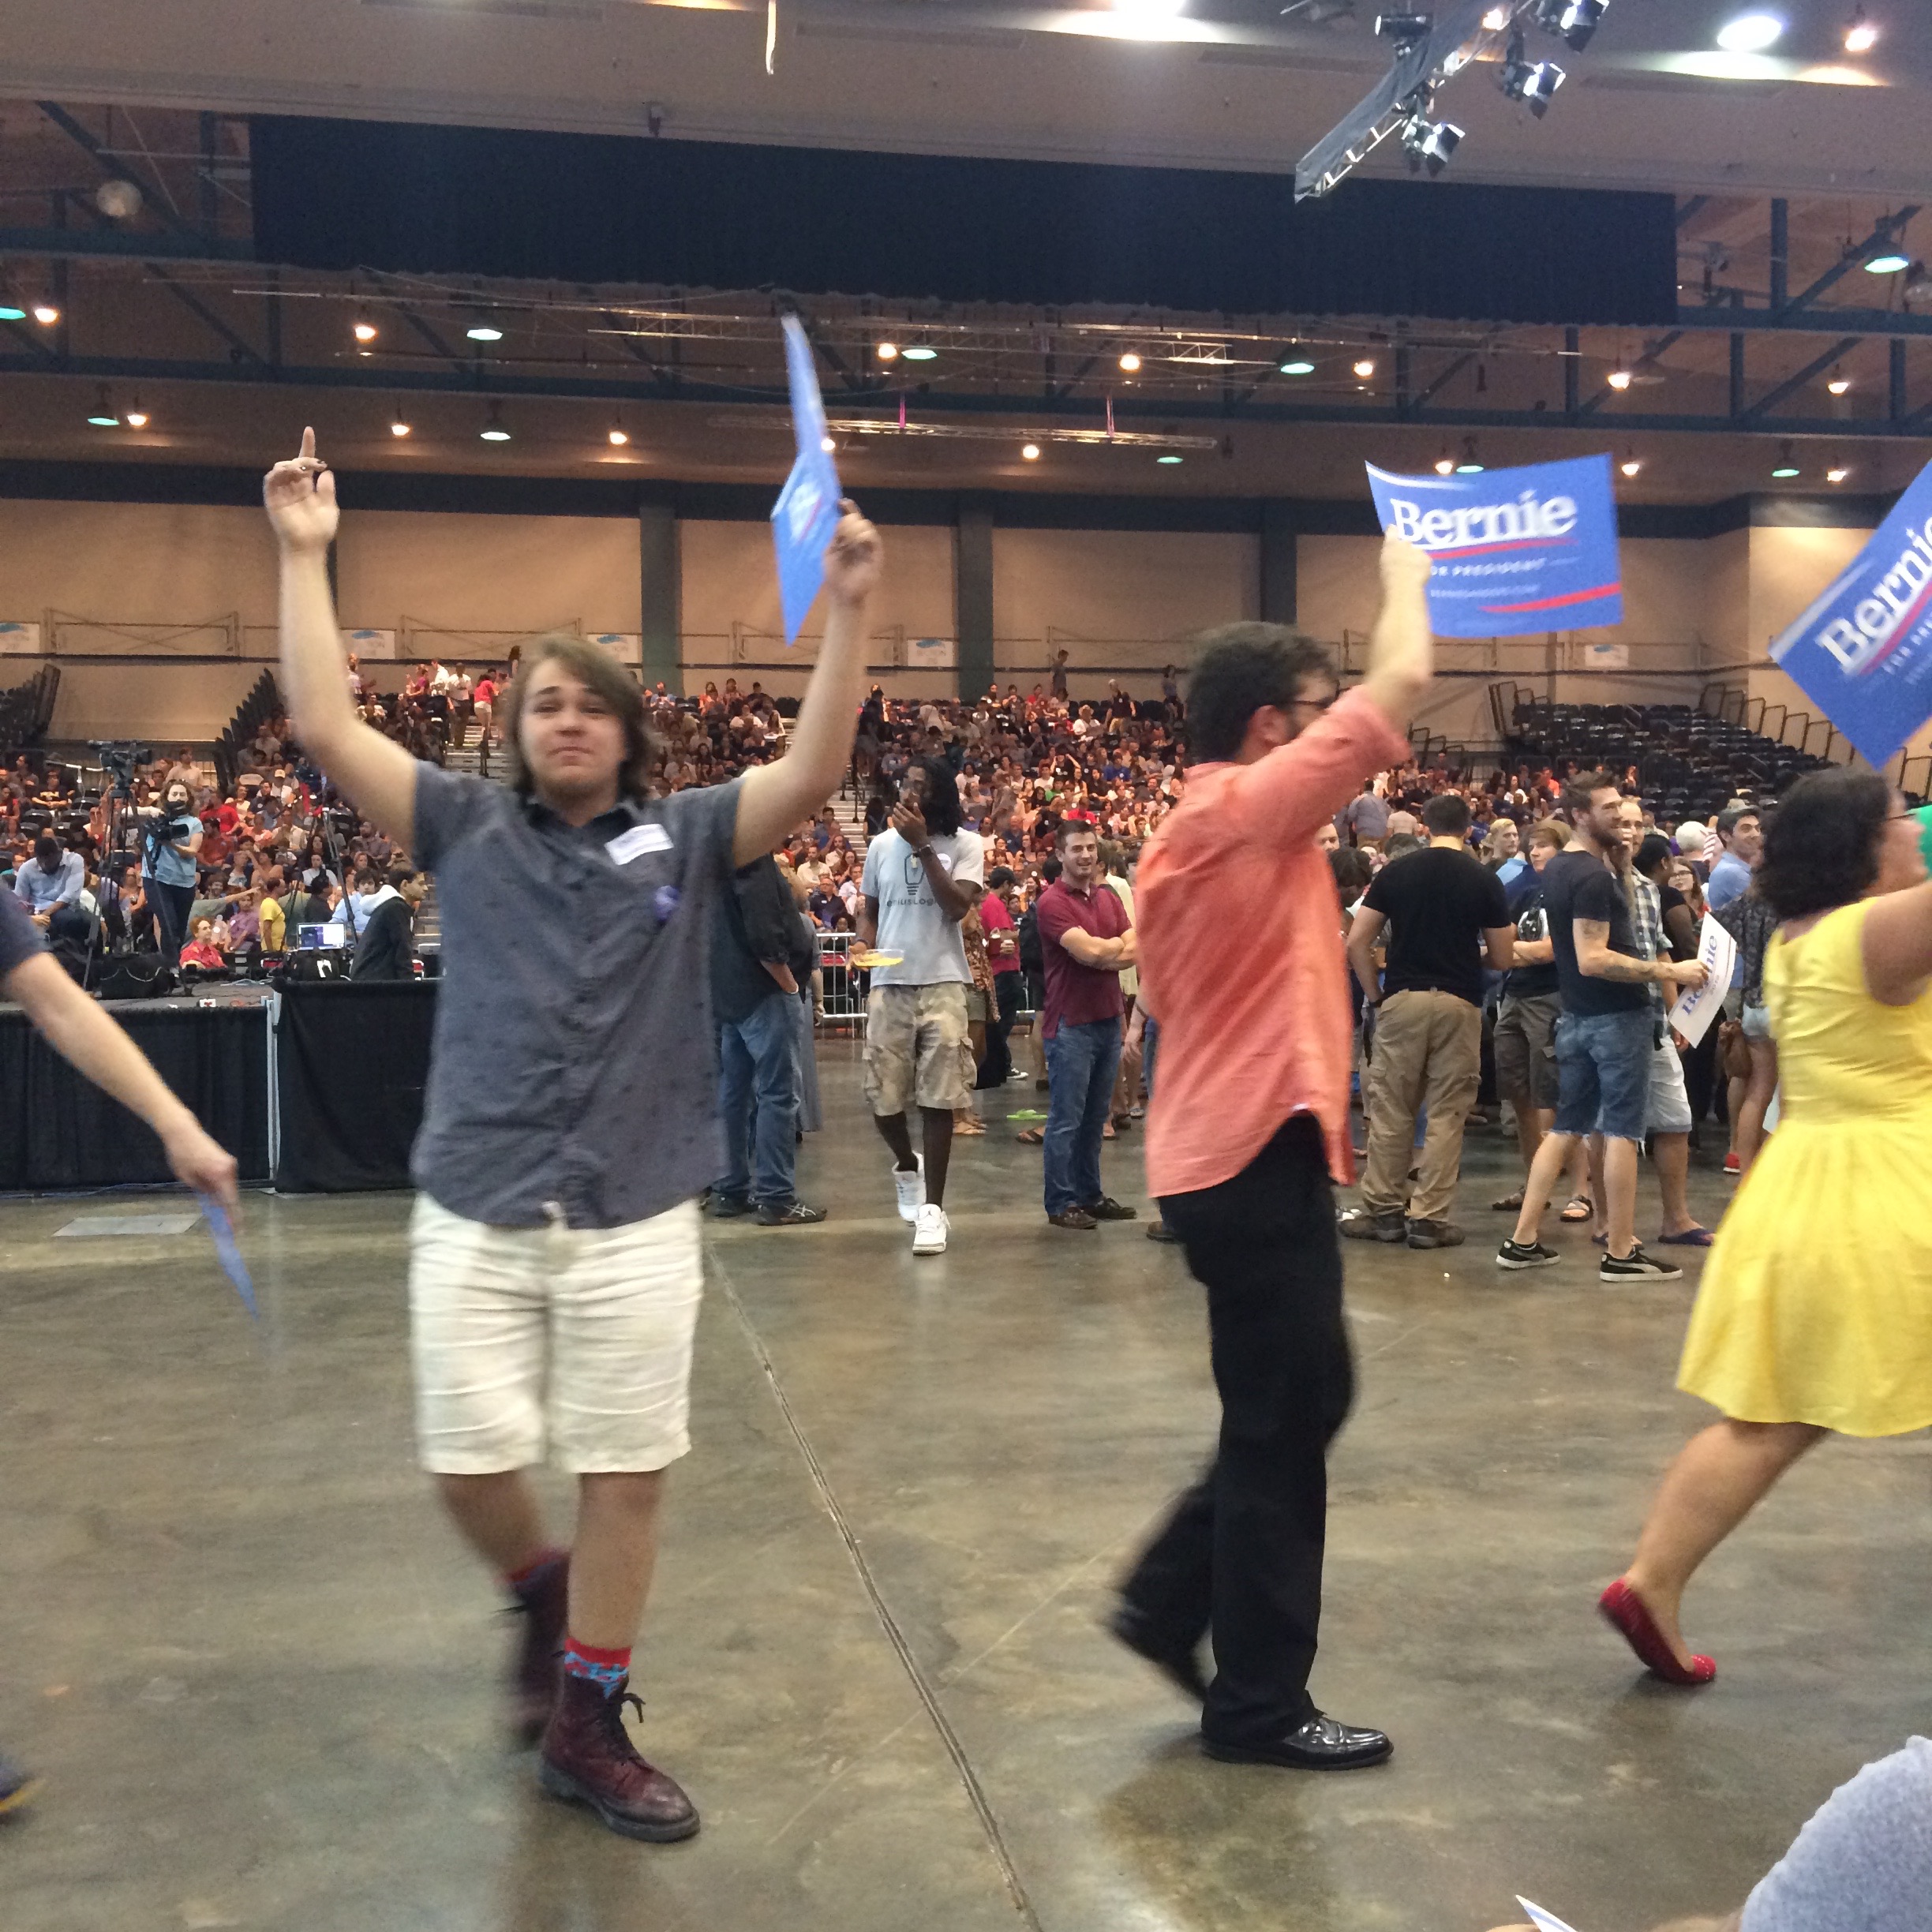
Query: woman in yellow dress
[1798,1334]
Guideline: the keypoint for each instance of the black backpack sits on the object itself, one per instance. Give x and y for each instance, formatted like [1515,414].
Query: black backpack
[1032,960]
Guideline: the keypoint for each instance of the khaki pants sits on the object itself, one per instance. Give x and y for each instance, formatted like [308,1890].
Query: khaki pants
[1428,1050]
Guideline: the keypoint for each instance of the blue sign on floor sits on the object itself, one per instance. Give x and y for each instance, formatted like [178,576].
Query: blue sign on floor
[1515,551]
[806,512]
[1863,653]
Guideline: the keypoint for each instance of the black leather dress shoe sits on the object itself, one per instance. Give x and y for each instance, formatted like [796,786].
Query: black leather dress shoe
[1321,1744]
[1182,1668]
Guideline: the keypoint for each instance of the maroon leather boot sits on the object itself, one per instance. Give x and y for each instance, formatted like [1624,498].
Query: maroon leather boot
[587,1758]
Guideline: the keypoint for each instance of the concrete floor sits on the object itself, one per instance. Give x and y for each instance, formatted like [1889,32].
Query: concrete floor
[260,1675]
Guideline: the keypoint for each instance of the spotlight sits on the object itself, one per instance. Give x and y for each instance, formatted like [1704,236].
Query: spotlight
[1297,365]
[1838,384]
[493,430]
[1365,368]
[136,417]
[1630,465]
[1445,464]
[887,352]
[1751,33]
[398,427]
[46,314]
[1534,83]
[1574,21]
[1837,475]
[1428,143]
[1403,29]
[1619,379]
[483,332]
[919,354]
[1861,36]
[1471,464]
[1030,451]
[1891,262]
[366,330]
[1130,362]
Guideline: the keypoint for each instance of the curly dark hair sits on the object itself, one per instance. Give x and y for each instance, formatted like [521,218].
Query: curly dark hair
[940,805]
[1820,847]
[1241,669]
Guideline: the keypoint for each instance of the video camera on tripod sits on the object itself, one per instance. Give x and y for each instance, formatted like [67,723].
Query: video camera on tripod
[118,756]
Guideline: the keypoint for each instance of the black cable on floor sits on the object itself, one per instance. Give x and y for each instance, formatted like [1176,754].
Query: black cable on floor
[895,1636]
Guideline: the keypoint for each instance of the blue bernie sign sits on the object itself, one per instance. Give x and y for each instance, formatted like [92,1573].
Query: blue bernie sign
[806,512]
[1863,653]
[1515,551]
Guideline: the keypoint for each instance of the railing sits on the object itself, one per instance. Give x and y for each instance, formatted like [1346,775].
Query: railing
[68,636]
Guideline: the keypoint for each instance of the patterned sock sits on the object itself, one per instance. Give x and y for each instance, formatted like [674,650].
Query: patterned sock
[607,1669]
[521,1583]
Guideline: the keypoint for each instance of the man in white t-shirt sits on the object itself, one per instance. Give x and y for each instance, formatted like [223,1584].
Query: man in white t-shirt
[921,876]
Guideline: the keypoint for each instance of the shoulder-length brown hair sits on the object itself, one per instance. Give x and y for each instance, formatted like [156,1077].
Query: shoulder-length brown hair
[592,665]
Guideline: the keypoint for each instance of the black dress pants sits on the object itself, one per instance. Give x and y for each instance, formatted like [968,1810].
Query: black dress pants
[1242,1552]
[997,1063]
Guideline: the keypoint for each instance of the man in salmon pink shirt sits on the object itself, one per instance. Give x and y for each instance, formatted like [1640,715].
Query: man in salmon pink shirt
[1241,960]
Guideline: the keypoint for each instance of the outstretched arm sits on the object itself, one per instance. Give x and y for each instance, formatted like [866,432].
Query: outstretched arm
[82,1033]
[1401,644]
[775,797]
[375,773]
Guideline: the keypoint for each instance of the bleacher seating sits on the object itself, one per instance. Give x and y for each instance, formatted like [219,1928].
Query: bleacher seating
[264,701]
[27,710]
[1689,759]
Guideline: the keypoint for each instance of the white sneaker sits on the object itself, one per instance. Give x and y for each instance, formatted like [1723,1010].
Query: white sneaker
[929,1232]
[912,1189]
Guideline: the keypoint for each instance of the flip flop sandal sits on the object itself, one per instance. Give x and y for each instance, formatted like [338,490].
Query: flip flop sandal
[1691,1237]
[1580,1208]
[1031,1136]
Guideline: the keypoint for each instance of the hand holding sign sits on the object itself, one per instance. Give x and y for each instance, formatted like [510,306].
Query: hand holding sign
[807,511]
[1717,955]
[1515,551]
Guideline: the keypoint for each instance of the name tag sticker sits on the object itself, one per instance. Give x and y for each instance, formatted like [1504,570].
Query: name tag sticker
[638,840]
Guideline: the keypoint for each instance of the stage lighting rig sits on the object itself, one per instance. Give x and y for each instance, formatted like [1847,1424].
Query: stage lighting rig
[1404,28]
[1574,21]
[1533,83]
[1429,143]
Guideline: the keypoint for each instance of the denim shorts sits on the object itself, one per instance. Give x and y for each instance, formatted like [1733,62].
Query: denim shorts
[1603,1073]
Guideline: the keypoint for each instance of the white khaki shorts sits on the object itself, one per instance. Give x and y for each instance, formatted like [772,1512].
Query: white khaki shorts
[1667,1108]
[574,1341]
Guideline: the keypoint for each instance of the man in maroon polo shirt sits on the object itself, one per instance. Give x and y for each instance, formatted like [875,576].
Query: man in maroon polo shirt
[1085,938]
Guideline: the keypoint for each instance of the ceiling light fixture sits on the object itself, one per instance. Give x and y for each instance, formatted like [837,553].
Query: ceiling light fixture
[1030,451]
[1785,468]
[887,352]
[1889,262]
[9,312]
[1365,368]
[366,330]
[1297,365]
[1429,143]
[104,416]
[1130,362]
[617,436]
[1837,475]
[493,430]
[398,427]
[1167,459]
[46,314]
[1619,378]
[1861,36]
[483,331]
[1495,20]
[1630,465]
[136,417]
[1751,33]
[1471,464]
[919,353]
[1839,383]
[827,444]
[1445,464]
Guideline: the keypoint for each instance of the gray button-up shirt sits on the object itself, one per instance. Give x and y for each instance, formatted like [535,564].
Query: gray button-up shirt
[574,1060]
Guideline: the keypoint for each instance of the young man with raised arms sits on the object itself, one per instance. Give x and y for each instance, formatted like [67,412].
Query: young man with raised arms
[570,1118]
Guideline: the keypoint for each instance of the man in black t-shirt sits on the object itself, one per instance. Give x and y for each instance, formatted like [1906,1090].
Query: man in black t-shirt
[1604,1038]
[1446,919]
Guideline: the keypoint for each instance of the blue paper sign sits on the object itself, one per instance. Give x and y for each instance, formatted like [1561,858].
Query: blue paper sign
[806,512]
[1863,651]
[1515,550]
[228,1252]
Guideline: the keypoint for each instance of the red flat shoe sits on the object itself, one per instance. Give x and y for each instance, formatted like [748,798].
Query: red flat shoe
[1626,1610]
